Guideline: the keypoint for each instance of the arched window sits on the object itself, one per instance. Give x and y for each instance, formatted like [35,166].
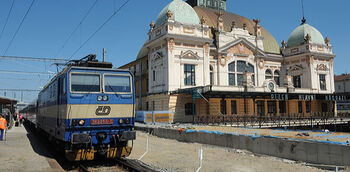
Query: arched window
[211,75]
[268,74]
[276,77]
[236,72]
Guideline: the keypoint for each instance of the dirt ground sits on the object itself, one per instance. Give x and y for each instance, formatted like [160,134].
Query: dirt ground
[171,155]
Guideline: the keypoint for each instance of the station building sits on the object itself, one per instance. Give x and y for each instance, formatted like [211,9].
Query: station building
[200,59]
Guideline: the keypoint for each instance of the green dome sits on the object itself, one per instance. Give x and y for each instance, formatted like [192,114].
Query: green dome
[298,35]
[182,12]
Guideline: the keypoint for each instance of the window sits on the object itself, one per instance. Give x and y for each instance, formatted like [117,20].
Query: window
[324,107]
[189,74]
[117,83]
[154,75]
[271,107]
[300,106]
[307,107]
[323,82]
[147,106]
[276,77]
[223,106]
[233,107]
[268,74]
[188,109]
[297,81]
[236,72]
[211,75]
[85,82]
[231,74]
[282,106]
[261,107]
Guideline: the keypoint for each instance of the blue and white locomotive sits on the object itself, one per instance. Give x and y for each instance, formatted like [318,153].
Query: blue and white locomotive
[89,108]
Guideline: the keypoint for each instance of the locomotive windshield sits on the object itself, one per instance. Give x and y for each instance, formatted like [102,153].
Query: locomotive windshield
[117,83]
[85,82]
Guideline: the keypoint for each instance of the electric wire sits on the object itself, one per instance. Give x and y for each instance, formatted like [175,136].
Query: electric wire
[76,28]
[7,18]
[13,37]
[26,73]
[99,28]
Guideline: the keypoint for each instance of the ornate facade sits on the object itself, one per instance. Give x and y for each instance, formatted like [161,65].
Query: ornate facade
[205,61]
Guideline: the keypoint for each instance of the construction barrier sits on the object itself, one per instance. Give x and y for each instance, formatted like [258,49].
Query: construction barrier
[154,116]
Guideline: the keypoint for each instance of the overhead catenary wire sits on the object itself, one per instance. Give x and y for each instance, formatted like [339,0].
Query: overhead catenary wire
[19,27]
[34,58]
[76,28]
[26,73]
[99,28]
[7,18]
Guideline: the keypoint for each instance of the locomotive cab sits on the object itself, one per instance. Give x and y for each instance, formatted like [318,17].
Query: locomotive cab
[94,110]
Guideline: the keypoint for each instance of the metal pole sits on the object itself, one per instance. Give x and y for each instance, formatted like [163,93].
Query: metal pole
[103,54]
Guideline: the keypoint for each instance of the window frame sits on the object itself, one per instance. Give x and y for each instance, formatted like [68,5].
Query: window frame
[235,107]
[88,73]
[239,75]
[271,107]
[299,79]
[268,74]
[192,73]
[307,106]
[117,74]
[323,86]
[300,107]
[188,109]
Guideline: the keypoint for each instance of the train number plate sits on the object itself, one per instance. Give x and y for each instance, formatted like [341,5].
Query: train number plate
[101,121]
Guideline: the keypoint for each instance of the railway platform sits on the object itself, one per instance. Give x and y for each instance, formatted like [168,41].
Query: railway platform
[22,151]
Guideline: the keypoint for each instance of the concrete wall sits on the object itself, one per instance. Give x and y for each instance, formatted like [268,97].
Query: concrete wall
[311,152]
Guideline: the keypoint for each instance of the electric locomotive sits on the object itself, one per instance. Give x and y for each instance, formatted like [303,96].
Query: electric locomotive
[89,108]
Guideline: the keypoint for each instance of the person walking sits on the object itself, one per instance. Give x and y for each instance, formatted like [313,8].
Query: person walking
[3,124]
[20,120]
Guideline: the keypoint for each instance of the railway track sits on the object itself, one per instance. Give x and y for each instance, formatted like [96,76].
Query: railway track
[99,164]
[122,164]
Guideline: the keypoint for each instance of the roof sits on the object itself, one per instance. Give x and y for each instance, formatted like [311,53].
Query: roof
[182,12]
[342,77]
[297,37]
[270,44]
[4,100]
[143,51]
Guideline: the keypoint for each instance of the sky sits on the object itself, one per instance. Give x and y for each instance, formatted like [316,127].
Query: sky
[50,22]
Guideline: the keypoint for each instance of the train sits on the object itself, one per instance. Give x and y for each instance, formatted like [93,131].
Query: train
[88,108]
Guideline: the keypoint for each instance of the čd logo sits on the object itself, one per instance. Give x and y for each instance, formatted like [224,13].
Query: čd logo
[103,110]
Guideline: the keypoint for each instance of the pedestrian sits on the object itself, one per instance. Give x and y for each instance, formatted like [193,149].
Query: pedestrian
[3,124]
[20,120]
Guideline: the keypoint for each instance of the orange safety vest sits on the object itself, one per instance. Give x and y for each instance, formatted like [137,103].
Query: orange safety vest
[3,123]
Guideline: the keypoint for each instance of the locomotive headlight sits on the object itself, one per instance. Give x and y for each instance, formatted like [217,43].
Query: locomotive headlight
[120,121]
[81,122]
[127,121]
[105,98]
[99,98]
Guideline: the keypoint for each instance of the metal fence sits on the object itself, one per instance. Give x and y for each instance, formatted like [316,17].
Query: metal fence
[292,120]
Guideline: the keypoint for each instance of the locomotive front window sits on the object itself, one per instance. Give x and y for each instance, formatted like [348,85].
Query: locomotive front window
[85,82]
[117,83]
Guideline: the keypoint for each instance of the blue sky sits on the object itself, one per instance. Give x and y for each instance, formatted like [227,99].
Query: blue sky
[50,22]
